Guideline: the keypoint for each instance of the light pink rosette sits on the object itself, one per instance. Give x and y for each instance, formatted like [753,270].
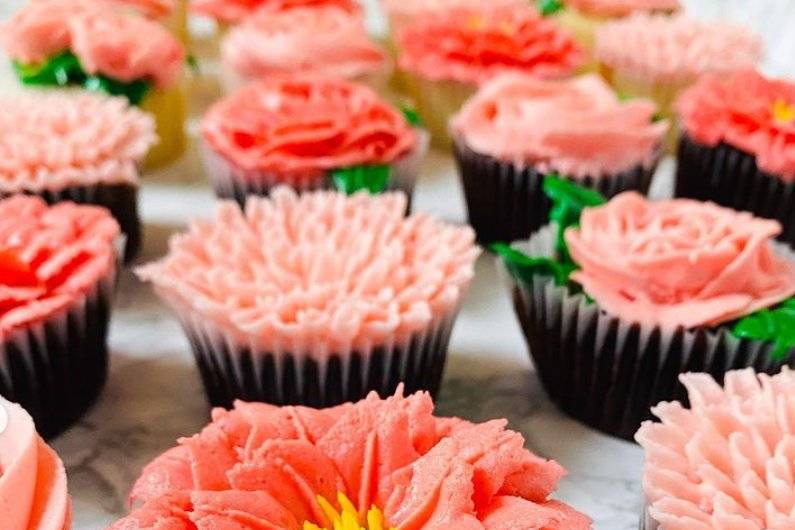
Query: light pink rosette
[473,45]
[675,49]
[234,11]
[577,127]
[678,262]
[622,8]
[748,111]
[50,256]
[726,462]
[33,494]
[326,40]
[51,141]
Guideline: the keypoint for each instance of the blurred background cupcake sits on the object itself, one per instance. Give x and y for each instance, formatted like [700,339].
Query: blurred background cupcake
[726,461]
[64,43]
[316,298]
[78,147]
[309,132]
[517,129]
[738,145]
[445,57]
[33,489]
[658,56]
[57,275]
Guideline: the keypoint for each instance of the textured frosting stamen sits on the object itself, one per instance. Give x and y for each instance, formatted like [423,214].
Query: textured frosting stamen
[347,517]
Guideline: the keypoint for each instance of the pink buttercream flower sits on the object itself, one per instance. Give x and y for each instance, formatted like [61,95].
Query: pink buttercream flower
[154,9]
[233,11]
[748,111]
[621,8]
[678,262]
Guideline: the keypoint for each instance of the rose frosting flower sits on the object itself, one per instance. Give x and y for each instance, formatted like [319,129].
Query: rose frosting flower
[51,141]
[306,126]
[322,40]
[233,11]
[675,48]
[725,463]
[472,45]
[578,127]
[678,262]
[33,493]
[154,9]
[622,8]
[284,468]
[49,256]
[748,111]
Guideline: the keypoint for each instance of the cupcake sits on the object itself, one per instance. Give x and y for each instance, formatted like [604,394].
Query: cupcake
[308,132]
[57,272]
[78,147]
[371,465]
[33,494]
[446,57]
[316,298]
[517,129]
[61,43]
[725,462]
[325,40]
[658,56]
[619,298]
[738,145]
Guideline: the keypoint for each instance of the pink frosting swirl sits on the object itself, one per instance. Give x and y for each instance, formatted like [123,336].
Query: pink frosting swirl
[319,272]
[234,11]
[49,257]
[33,493]
[622,8]
[675,48]
[725,463]
[266,465]
[51,141]
[678,262]
[326,40]
[154,9]
[748,111]
[577,127]
[306,126]
[473,45]
[120,45]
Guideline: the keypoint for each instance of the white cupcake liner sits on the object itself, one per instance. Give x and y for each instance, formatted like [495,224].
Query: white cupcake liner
[608,372]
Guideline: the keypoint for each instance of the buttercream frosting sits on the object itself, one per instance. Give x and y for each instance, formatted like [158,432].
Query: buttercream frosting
[404,11]
[50,256]
[473,45]
[33,492]
[678,262]
[322,40]
[577,127]
[726,462]
[677,49]
[306,126]
[318,273]
[51,141]
[155,9]
[748,111]
[267,464]
[622,8]
[234,11]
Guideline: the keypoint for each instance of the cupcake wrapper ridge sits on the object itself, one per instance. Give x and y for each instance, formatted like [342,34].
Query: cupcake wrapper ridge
[507,202]
[647,522]
[608,372]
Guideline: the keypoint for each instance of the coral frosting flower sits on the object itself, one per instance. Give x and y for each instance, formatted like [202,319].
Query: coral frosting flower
[376,464]
[233,11]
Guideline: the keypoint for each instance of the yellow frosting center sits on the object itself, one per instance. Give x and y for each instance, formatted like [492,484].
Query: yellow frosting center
[347,517]
[783,112]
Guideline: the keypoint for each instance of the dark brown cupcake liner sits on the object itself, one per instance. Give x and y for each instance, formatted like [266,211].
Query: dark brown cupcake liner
[232,371]
[120,199]
[506,202]
[608,372]
[57,368]
[730,177]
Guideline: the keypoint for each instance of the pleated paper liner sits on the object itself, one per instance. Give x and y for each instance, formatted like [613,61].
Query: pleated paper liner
[120,199]
[507,203]
[608,372]
[57,368]
[647,522]
[231,370]
[232,182]
[730,177]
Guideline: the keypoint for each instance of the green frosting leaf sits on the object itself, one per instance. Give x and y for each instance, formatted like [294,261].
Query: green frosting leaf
[775,325]
[411,115]
[568,201]
[524,268]
[134,91]
[549,7]
[374,179]
[193,63]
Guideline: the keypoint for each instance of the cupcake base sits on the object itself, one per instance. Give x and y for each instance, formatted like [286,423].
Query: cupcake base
[730,177]
[507,203]
[57,368]
[607,372]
